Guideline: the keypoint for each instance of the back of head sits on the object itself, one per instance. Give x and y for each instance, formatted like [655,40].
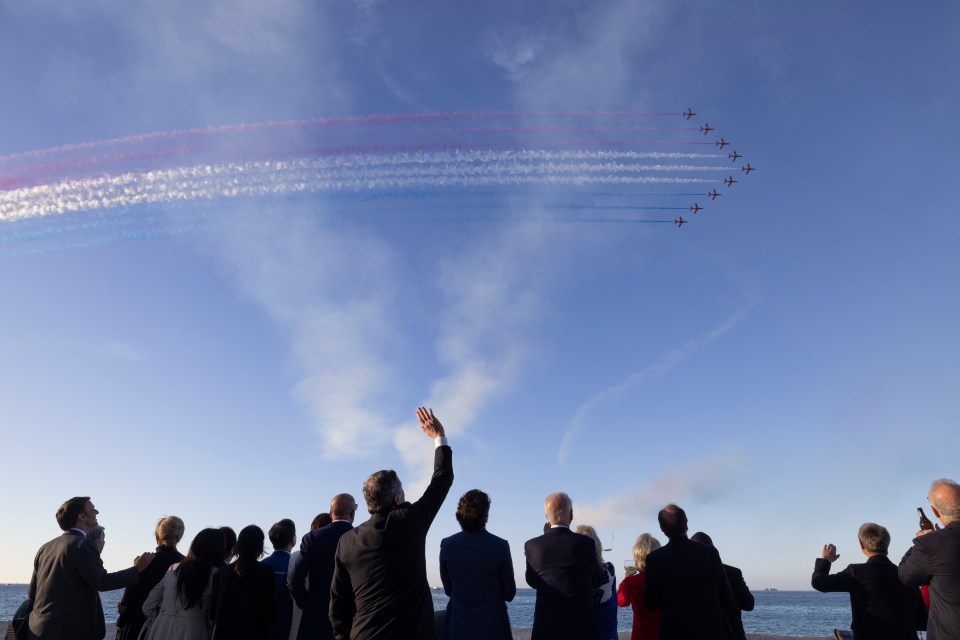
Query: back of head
[558,508]
[945,498]
[169,531]
[206,553]
[69,511]
[283,534]
[702,538]
[642,547]
[590,532]
[381,489]
[343,507]
[229,538]
[322,520]
[249,548]
[473,511]
[673,521]
[874,538]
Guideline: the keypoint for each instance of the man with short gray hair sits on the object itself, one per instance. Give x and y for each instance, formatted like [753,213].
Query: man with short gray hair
[563,568]
[882,607]
[934,560]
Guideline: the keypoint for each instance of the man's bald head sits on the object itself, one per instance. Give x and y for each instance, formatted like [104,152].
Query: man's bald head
[944,497]
[673,521]
[343,507]
[559,508]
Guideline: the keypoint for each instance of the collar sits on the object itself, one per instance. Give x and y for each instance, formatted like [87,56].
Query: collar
[76,531]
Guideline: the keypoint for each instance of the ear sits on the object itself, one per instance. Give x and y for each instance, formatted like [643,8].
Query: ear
[935,512]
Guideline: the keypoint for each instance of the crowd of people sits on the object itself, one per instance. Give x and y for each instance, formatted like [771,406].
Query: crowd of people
[370,581]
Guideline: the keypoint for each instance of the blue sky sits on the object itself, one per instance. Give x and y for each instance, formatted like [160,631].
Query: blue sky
[783,367]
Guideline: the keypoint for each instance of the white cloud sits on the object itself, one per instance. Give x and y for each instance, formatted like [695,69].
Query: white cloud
[512,49]
[333,292]
[699,483]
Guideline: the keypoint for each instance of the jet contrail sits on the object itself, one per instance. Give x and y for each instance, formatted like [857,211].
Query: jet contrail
[461,160]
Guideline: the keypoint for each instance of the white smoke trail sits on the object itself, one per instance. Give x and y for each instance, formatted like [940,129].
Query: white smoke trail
[252,179]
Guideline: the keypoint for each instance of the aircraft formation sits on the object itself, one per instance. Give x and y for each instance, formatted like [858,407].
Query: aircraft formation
[713,194]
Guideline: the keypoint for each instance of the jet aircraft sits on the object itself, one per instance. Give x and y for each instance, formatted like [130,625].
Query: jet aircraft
[696,207]
[680,221]
[721,143]
[729,181]
[689,113]
[714,194]
[733,156]
[706,129]
[747,169]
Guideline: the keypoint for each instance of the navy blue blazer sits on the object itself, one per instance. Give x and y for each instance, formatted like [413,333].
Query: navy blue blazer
[280,628]
[477,575]
[317,551]
[563,568]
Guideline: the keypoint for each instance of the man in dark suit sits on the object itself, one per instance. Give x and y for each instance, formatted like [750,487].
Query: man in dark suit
[477,574]
[283,535]
[686,582]
[934,560]
[883,608]
[563,568]
[379,587]
[315,565]
[742,598]
[68,573]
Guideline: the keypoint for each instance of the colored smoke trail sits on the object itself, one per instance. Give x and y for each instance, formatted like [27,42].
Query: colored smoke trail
[531,154]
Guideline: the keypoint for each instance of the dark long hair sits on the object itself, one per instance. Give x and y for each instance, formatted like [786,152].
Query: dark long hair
[206,554]
[249,548]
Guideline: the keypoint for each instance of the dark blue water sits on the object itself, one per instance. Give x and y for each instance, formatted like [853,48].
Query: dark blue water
[788,613]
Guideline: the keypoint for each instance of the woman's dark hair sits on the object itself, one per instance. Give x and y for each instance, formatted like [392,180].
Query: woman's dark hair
[322,520]
[229,543]
[473,510]
[249,548]
[206,553]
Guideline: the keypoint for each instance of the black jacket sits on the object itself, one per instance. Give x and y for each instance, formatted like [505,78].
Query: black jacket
[934,559]
[380,587]
[883,608]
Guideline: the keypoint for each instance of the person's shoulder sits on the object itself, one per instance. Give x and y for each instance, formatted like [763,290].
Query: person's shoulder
[733,571]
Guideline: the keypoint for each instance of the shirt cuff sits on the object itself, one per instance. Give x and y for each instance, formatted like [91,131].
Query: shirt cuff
[440,441]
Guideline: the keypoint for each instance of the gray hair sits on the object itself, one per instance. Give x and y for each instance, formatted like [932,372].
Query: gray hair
[947,503]
[381,489]
[874,538]
[557,508]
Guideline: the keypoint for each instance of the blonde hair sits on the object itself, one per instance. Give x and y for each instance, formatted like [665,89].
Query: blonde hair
[169,531]
[590,532]
[641,549]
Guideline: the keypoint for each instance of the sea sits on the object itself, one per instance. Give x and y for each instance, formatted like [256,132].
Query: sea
[785,613]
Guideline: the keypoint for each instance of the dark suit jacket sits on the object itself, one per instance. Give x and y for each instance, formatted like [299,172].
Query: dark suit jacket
[477,574]
[883,608]
[242,607]
[280,627]
[381,571]
[563,568]
[131,619]
[686,582]
[742,599]
[934,559]
[67,574]
[317,551]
